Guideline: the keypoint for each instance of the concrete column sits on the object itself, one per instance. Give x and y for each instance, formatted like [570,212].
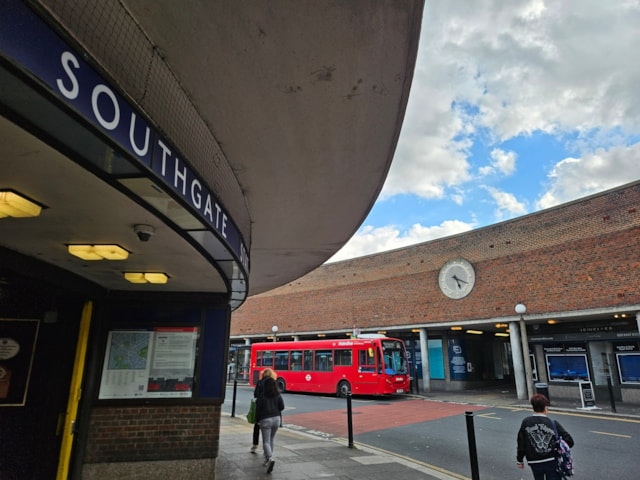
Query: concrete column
[525,355]
[518,366]
[296,338]
[424,355]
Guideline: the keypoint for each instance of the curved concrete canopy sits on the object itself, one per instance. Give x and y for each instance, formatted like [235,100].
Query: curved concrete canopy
[290,110]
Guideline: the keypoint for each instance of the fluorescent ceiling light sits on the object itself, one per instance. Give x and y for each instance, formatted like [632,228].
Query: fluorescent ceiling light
[13,204]
[135,277]
[140,277]
[475,332]
[156,277]
[98,252]
[500,334]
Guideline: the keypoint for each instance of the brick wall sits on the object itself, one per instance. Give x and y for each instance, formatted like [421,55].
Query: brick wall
[578,256]
[125,434]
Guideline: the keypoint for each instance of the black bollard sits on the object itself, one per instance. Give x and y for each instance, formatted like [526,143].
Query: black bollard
[611,399]
[349,420]
[473,453]
[233,405]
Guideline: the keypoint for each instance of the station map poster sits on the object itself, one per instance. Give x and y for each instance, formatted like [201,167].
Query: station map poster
[149,363]
[17,346]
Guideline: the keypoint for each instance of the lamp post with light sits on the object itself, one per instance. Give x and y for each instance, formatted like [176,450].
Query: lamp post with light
[274,329]
[521,310]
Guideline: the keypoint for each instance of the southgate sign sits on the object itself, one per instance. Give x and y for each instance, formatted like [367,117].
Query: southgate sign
[31,43]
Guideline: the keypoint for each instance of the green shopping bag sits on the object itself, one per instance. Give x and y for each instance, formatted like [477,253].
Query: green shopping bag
[251,415]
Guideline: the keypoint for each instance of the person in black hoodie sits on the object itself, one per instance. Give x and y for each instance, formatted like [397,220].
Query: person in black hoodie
[537,441]
[269,406]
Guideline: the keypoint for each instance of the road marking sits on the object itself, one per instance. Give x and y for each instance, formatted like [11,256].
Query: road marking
[612,434]
[581,415]
[433,470]
[489,415]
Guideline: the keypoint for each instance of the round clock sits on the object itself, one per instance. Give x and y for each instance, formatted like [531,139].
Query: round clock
[457,278]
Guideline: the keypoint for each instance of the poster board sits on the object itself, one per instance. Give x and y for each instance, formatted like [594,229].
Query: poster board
[17,347]
[156,362]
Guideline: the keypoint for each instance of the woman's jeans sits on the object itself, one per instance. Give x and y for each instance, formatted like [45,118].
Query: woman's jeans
[269,427]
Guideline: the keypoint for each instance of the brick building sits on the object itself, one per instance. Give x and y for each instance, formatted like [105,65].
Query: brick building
[574,267]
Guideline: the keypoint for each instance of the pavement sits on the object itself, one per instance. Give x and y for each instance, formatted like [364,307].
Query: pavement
[300,456]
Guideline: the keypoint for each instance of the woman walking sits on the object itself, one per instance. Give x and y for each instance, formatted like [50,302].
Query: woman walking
[267,372]
[269,408]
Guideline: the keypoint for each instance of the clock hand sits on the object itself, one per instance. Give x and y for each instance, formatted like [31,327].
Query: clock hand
[458,280]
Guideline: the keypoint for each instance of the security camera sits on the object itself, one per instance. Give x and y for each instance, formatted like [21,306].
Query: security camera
[144,232]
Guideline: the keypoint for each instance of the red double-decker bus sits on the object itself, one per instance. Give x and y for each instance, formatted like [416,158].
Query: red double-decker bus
[362,366]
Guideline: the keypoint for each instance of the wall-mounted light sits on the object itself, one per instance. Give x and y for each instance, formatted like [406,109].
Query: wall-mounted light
[98,252]
[552,322]
[382,332]
[14,204]
[322,335]
[456,328]
[150,277]
[501,325]
[475,332]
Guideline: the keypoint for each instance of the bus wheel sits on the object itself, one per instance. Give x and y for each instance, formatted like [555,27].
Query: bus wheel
[343,388]
[282,386]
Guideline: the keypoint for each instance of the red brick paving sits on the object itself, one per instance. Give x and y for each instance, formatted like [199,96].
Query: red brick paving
[378,417]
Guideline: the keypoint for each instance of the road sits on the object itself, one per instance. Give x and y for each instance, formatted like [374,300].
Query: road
[435,433]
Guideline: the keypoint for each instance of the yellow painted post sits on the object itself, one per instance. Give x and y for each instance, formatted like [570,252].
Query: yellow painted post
[75,393]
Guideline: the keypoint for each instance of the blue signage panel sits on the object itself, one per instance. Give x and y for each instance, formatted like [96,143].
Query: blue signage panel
[30,42]
[457,359]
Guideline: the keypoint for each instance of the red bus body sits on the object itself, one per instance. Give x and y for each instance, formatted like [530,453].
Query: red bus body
[376,366]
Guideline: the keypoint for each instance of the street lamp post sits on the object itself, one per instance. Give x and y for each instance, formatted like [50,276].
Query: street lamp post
[274,329]
[521,310]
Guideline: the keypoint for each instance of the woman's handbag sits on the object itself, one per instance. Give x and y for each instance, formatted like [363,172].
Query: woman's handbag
[251,415]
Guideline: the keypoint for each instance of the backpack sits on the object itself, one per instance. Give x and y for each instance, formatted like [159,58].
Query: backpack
[564,462]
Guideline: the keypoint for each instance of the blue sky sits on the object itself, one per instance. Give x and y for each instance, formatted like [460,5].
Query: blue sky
[515,106]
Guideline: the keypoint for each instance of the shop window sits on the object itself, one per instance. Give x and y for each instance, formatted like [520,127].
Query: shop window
[567,368]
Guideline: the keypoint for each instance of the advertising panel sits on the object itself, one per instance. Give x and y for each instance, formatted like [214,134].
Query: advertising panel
[149,363]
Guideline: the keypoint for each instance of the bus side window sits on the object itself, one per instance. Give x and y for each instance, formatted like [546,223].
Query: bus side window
[343,358]
[324,360]
[258,359]
[282,360]
[308,360]
[366,362]
[296,360]
[267,359]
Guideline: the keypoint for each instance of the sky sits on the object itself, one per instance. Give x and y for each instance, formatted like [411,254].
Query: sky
[515,106]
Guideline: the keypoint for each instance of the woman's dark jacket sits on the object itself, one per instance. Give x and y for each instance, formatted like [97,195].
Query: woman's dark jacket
[537,440]
[267,407]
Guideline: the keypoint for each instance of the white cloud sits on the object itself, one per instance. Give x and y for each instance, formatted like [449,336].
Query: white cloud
[501,162]
[371,240]
[573,178]
[507,204]
[508,68]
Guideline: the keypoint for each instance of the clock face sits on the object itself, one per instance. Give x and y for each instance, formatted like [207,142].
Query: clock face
[457,278]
